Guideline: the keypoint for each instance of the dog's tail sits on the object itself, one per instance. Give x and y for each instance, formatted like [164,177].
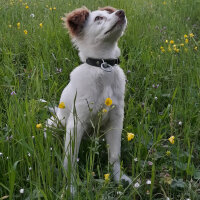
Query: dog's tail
[53,110]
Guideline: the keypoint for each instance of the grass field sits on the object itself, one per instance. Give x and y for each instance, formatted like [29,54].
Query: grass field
[161,59]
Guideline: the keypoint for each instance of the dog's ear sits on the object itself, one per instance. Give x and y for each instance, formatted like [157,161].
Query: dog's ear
[75,21]
[109,9]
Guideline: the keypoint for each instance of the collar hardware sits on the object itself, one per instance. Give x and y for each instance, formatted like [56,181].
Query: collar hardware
[106,67]
[105,64]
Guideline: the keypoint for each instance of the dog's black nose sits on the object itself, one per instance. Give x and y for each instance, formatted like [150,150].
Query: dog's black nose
[120,13]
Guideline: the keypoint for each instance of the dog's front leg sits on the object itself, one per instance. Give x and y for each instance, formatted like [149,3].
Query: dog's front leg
[74,133]
[75,128]
[113,139]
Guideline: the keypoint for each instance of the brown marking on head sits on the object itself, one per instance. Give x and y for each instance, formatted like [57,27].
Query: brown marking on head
[75,20]
[109,9]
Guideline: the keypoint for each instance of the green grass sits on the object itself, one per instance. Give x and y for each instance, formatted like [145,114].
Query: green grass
[28,66]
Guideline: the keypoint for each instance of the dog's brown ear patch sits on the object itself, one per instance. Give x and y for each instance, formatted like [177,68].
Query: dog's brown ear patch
[109,9]
[75,21]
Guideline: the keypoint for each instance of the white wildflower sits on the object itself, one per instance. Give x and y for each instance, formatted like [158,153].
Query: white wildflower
[136,185]
[21,191]
[148,182]
[180,123]
[32,15]
[119,193]
[42,100]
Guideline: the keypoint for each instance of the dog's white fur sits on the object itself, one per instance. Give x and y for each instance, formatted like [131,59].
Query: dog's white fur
[91,85]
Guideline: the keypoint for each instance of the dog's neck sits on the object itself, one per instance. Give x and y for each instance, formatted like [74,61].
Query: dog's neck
[101,51]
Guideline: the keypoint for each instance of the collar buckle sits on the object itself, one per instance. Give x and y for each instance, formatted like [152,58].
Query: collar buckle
[106,67]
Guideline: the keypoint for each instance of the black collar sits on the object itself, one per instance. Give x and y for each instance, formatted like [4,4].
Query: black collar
[105,64]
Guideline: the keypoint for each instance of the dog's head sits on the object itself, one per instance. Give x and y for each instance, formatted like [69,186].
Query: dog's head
[96,33]
[97,26]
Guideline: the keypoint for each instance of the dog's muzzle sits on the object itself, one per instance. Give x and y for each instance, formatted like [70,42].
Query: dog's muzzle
[120,14]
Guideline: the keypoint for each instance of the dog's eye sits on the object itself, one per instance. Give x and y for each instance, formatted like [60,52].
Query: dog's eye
[98,18]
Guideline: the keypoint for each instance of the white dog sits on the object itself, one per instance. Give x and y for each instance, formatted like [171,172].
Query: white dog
[95,34]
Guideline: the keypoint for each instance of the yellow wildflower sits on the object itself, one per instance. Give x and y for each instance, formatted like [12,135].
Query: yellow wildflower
[61,105]
[166,41]
[176,50]
[130,136]
[54,8]
[185,36]
[181,44]
[169,48]
[195,48]
[25,32]
[107,177]
[41,25]
[47,6]
[171,139]
[171,41]
[186,41]
[38,126]
[164,3]
[27,7]
[168,153]
[191,35]
[9,25]
[108,101]
[18,25]
[104,110]
[162,49]
[50,9]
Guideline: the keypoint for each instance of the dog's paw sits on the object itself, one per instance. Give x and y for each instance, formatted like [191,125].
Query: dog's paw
[126,179]
[72,190]
[45,133]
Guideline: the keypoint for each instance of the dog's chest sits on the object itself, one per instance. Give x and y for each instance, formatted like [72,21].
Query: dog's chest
[111,85]
[95,85]
[107,84]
